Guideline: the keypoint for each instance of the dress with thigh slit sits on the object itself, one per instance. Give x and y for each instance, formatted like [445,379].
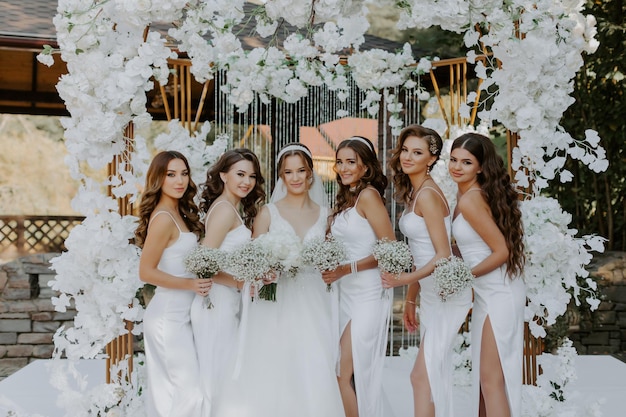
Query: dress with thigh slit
[439,321]
[173,380]
[362,305]
[502,299]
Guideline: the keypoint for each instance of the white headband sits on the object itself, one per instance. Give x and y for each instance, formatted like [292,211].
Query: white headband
[293,147]
[360,139]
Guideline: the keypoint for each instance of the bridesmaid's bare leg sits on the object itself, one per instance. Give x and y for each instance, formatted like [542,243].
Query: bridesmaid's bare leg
[492,383]
[346,372]
[481,406]
[422,403]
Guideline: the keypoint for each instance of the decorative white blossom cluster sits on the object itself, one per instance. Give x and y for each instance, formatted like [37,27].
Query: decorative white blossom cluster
[99,274]
[532,75]
[550,396]
[122,397]
[555,258]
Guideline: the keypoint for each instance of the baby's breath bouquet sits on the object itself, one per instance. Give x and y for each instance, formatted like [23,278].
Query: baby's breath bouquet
[284,251]
[393,256]
[451,276]
[251,262]
[325,254]
[205,262]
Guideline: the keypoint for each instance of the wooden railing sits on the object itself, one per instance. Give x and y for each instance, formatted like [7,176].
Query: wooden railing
[25,234]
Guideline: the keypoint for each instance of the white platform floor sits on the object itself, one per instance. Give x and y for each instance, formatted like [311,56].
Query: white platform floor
[603,378]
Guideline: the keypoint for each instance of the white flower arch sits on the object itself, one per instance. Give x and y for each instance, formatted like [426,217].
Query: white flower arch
[112,59]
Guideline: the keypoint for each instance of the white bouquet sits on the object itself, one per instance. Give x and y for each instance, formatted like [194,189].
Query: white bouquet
[451,276]
[284,252]
[325,254]
[393,256]
[250,262]
[205,262]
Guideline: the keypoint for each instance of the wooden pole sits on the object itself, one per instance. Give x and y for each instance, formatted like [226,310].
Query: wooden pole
[121,348]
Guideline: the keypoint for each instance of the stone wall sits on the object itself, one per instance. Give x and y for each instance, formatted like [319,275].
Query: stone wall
[27,317]
[604,330]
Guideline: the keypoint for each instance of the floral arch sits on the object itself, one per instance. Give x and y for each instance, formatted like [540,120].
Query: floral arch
[524,52]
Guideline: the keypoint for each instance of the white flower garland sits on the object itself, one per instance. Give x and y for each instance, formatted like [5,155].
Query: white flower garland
[555,258]
[111,60]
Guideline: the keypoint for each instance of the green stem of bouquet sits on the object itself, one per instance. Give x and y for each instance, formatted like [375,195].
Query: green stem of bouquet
[206,301]
[268,292]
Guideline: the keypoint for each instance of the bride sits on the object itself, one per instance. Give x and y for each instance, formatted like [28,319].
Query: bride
[286,358]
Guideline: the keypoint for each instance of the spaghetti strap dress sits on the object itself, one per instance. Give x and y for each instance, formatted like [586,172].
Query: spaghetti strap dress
[288,366]
[439,321]
[501,298]
[173,380]
[363,307]
[215,330]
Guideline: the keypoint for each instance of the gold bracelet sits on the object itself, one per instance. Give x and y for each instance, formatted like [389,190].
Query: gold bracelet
[410,302]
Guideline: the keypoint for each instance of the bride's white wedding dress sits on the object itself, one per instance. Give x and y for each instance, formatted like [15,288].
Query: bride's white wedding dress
[287,362]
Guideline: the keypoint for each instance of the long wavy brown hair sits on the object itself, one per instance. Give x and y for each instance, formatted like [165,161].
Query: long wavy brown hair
[214,186]
[152,195]
[499,193]
[401,181]
[374,175]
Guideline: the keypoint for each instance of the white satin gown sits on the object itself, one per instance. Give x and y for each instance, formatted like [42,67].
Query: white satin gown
[439,321]
[287,365]
[215,330]
[362,305]
[501,298]
[173,380]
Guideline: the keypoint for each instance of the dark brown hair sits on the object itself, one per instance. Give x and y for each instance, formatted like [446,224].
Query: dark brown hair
[214,186]
[499,193]
[374,176]
[401,181]
[152,195]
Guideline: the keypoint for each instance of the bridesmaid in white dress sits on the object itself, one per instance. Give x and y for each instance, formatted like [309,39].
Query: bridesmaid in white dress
[168,230]
[233,183]
[358,220]
[488,231]
[426,224]
[288,366]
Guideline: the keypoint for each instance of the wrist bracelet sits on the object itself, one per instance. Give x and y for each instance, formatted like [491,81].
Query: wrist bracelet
[410,302]
[353,269]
